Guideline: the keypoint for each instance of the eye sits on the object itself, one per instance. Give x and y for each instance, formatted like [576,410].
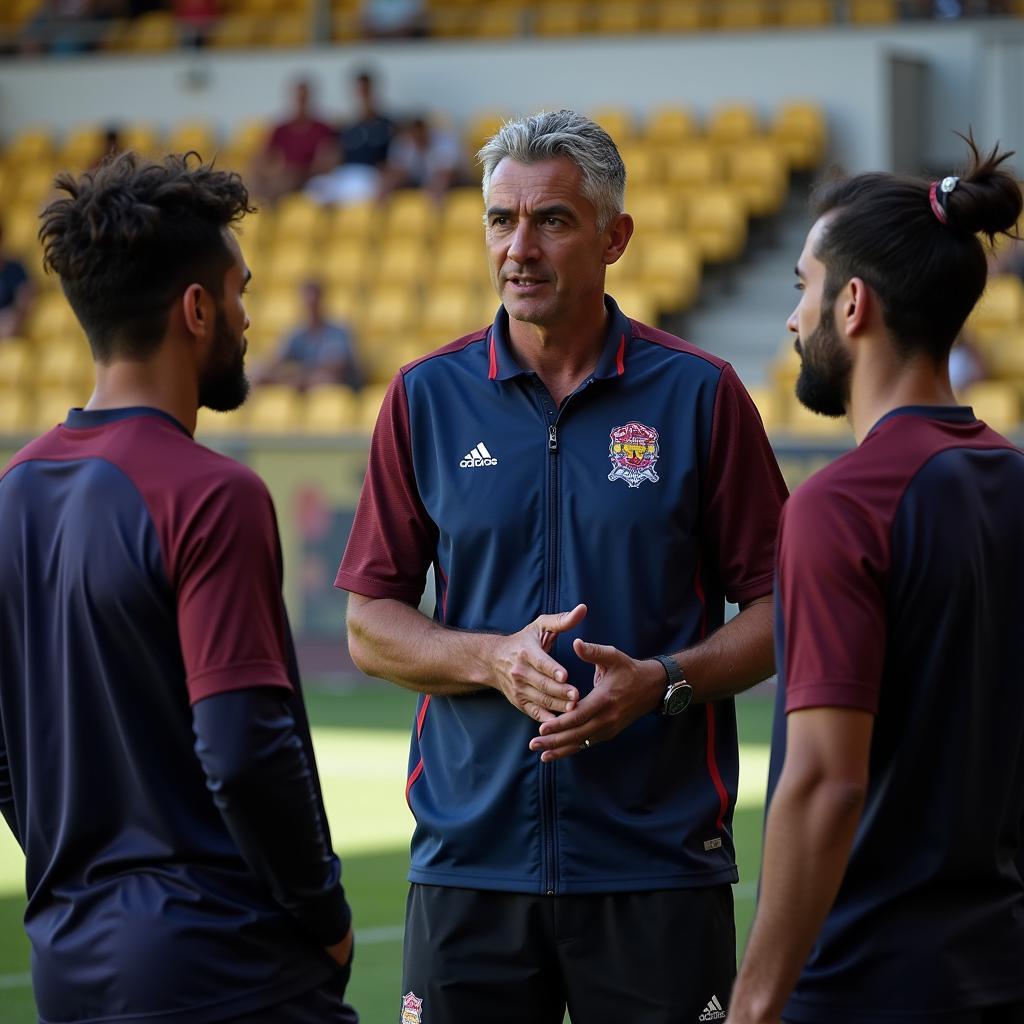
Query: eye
[499,221]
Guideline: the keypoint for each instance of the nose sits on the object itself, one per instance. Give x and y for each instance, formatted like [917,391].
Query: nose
[523,245]
[791,322]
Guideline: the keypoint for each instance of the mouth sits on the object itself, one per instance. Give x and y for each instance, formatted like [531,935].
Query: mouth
[524,281]
[798,348]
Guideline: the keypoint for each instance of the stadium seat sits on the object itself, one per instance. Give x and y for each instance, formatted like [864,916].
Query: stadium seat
[65,364]
[805,13]
[411,213]
[370,401]
[51,318]
[33,186]
[680,16]
[196,136]
[299,219]
[277,313]
[671,124]
[355,221]
[274,409]
[402,262]
[153,32]
[17,364]
[463,213]
[804,423]
[448,313]
[1004,354]
[770,405]
[643,162]
[30,146]
[143,139]
[733,122]
[758,170]
[234,32]
[390,311]
[619,17]
[670,271]
[995,402]
[872,12]
[618,122]
[743,14]
[461,261]
[718,225]
[50,406]
[16,412]
[1001,306]
[693,165]
[636,302]
[655,208]
[346,262]
[81,147]
[330,409]
[480,128]
[290,31]
[799,129]
[560,18]
[499,21]
[210,423]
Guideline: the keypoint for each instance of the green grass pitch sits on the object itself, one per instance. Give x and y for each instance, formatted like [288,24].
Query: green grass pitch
[361,739]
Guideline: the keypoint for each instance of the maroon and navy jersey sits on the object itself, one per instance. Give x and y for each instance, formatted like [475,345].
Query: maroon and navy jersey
[140,573]
[901,593]
[652,495]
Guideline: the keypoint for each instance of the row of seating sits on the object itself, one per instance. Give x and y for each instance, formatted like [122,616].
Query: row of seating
[293,23]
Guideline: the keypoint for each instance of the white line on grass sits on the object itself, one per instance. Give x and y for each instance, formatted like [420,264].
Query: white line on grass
[364,937]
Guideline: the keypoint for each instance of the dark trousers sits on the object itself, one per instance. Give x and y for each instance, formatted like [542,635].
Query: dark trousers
[662,957]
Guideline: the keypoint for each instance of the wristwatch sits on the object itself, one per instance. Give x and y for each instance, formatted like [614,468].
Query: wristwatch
[679,693]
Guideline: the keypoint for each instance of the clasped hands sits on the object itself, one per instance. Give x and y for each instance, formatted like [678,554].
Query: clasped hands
[536,684]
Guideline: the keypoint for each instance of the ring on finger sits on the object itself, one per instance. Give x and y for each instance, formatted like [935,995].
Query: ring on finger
[587,744]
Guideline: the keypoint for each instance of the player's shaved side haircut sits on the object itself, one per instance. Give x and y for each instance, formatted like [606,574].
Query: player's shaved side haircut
[563,133]
[129,237]
[915,243]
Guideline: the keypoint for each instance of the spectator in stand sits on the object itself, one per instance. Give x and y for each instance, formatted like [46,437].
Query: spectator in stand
[422,157]
[319,352]
[394,19]
[15,294]
[195,19]
[295,149]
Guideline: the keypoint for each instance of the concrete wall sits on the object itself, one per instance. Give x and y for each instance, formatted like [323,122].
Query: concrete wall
[975,74]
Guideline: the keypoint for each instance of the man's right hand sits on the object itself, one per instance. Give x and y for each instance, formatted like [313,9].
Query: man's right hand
[341,952]
[527,675]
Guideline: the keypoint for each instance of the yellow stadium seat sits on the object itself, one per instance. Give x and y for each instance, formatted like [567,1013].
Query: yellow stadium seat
[143,139]
[52,318]
[342,302]
[390,311]
[347,263]
[627,268]
[618,122]
[618,17]
[805,13]
[461,261]
[17,364]
[298,218]
[50,405]
[291,263]
[274,409]
[560,18]
[277,313]
[16,412]
[671,124]
[291,31]
[1004,353]
[331,409]
[411,213]
[463,212]
[30,146]
[771,406]
[1001,305]
[995,402]
[370,401]
[33,187]
[21,230]
[733,122]
[197,136]
[402,262]
[356,221]
[636,302]
[81,147]
[670,270]
[718,224]
[800,129]
[449,312]
[872,12]
[680,16]
[758,170]
[743,14]
[643,162]
[693,166]
[655,209]
[480,128]
[210,423]
[803,422]
[64,364]
[234,32]
[501,21]
[153,32]
[249,137]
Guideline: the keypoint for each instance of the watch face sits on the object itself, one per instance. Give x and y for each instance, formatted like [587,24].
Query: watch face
[679,699]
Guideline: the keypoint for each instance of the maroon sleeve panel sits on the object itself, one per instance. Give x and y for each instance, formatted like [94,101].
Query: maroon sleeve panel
[744,494]
[833,565]
[393,539]
[226,572]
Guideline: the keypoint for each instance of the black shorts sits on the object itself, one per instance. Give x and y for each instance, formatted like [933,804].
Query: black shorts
[324,1004]
[666,957]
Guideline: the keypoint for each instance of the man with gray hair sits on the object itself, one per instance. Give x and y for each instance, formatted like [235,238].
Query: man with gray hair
[581,473]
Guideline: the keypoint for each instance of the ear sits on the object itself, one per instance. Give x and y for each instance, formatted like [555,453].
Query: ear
[857,306]
[198,311]
[620,231]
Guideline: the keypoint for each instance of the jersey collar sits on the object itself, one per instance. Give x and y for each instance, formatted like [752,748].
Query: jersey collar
[946,413]
[502,364]
[85,419]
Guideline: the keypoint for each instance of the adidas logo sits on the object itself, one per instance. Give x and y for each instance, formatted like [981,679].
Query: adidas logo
[479,456]
[713,1011]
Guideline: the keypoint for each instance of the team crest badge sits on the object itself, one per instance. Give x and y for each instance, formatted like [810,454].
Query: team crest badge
[633,451]
[412,1009]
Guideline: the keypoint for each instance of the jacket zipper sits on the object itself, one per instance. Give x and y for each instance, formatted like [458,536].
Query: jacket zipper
[547,769]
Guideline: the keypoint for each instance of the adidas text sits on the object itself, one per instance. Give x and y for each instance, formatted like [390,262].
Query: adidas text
[479,456]
[713,1011]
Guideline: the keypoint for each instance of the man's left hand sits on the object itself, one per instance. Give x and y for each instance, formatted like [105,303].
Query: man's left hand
[624,689]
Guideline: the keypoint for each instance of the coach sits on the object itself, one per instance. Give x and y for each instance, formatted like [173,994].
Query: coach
[567,472]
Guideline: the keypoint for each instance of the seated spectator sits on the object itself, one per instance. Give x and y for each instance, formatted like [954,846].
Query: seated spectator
[295,149]
[320,352]
[394,19]
[422,157]
[362,150]
[15,294]
[195,19]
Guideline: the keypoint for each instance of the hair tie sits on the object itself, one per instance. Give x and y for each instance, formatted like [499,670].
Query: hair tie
[937,197]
